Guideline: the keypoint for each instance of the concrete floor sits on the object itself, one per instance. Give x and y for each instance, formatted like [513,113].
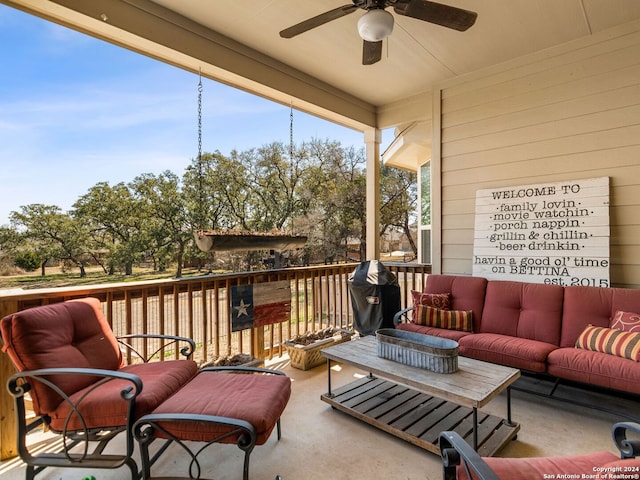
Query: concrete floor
[319,442]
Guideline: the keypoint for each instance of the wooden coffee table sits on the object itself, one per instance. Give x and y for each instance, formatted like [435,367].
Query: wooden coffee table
[417,404]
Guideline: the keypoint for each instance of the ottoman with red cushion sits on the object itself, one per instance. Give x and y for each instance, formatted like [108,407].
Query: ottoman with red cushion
[220,405]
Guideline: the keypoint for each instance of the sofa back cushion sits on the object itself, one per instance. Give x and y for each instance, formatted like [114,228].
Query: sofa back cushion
[67,334]
[525,310]
[467,293]
[584,306]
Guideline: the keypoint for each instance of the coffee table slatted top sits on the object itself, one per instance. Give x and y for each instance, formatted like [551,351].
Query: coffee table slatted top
[474,385]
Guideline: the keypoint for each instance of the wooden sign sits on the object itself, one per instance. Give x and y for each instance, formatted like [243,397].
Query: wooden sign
[554,233]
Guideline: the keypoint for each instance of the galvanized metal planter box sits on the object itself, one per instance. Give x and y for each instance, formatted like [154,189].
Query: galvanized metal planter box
[437,354]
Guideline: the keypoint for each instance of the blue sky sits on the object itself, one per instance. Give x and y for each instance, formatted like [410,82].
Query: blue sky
[75,111]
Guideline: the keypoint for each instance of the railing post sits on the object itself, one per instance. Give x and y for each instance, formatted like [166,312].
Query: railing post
[8,432]
[258,342]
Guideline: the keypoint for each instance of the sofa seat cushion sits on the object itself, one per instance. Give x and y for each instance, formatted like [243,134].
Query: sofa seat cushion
[595,368]
[104,407]
[436,332]
[507,350]
[538,468]
[257,399]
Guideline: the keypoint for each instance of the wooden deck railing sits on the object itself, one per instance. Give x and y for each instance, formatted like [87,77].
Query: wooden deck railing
[199,308]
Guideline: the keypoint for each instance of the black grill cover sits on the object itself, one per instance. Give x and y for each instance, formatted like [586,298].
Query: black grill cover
[375,297]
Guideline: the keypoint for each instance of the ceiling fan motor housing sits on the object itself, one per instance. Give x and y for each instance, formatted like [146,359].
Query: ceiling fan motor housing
[375,25]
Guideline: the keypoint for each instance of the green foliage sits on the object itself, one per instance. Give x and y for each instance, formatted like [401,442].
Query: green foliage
[27,260]
[10,239]
[52,234]
[398,190]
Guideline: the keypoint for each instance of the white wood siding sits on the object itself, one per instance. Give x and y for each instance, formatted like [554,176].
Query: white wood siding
[565,113]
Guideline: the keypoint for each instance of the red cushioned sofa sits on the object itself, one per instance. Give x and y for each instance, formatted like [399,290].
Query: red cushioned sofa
[534,327]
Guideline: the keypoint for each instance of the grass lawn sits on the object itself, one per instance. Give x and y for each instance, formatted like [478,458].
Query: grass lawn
[56,278]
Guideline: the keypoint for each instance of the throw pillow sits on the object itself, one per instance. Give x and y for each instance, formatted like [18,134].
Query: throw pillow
[450,319]
[436,300]
[627,321]
[610,340]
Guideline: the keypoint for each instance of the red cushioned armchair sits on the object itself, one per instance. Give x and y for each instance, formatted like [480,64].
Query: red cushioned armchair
[70,364]
[461,462]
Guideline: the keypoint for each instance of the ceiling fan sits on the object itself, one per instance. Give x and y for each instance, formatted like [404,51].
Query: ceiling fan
[376,24]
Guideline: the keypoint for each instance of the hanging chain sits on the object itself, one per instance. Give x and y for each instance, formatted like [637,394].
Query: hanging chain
[291,145]
[200,220]
[200,121]
[291,133]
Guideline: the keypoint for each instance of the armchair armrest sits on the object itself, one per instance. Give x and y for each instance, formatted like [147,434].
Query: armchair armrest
[401,316]
[19,384]
[185,351]
[628,448]
[454,451]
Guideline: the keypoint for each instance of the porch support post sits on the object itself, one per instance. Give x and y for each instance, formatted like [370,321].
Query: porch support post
[8,424]
[372,139]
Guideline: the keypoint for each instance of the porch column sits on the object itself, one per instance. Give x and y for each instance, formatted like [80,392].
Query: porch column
[8,424]
[372,139]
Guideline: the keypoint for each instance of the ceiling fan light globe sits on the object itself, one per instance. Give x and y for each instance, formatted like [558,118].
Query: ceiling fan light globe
[375,25]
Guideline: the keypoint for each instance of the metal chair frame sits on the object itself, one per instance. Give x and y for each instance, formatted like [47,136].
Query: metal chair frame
[78,449]
[146,431]
[456,451]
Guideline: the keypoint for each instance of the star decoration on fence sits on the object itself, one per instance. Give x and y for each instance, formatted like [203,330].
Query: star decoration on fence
[242,308]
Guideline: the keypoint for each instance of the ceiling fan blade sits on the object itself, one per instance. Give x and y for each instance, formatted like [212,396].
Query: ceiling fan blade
[444,15]
[318,20]
[371,52]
